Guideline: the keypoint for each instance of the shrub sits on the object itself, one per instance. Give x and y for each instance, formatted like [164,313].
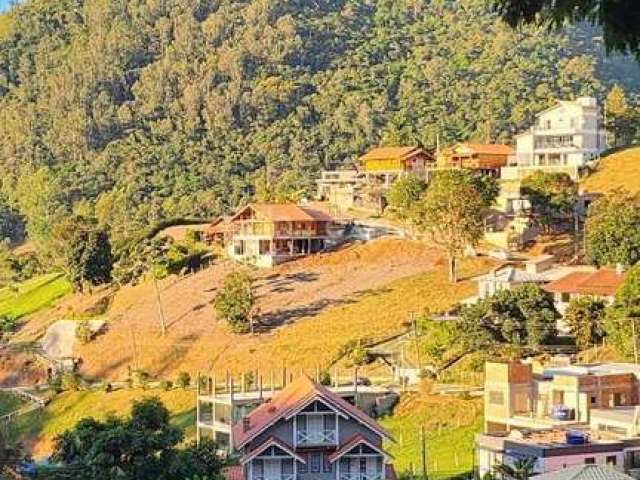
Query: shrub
[70,382]
[183,380]
[234,301]
[166,385]
[83,332]
[138,379]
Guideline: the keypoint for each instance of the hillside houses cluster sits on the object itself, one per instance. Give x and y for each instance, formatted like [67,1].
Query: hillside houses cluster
[562,416]
[565,138]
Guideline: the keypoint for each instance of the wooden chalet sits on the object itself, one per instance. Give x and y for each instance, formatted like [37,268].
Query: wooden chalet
[488,158]
[268,234]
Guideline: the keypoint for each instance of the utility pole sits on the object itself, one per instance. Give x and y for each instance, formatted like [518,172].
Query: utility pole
[163,322]
[423,452]
[635,341]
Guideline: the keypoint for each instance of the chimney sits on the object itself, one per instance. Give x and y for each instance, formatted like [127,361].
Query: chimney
[246,424]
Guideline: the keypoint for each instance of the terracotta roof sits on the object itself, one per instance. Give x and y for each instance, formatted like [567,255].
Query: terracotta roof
[384,153]
[352,443]
[601,282]
[234,472]
[271,441]
[488,148]
[286,212]
[286,402]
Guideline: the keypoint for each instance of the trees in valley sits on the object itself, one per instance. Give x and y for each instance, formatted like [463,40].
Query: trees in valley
[621,117]
[524,316]
[403,195]
[144,446]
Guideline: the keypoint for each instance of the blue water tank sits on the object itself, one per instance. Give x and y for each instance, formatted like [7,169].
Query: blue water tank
[577,438]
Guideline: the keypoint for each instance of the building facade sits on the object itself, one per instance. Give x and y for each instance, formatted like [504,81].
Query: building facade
[485,158]
[561,416]
[269,234]
[307,432]
[564,138]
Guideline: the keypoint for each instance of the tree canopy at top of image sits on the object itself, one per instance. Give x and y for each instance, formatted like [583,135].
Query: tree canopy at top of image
[618,19]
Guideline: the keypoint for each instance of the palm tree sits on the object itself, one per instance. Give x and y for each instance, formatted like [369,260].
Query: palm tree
[521,469]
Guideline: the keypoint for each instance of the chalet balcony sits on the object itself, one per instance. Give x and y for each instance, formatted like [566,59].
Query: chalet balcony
[283,476]
[362,476]
[316,437]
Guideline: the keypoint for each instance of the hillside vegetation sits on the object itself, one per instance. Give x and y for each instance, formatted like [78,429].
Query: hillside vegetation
[33,295]
[138,112]
[450,426]
[620,170]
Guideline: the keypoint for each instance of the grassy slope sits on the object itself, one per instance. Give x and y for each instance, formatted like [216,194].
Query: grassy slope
[450,425]
[618,170]
[33,295]
[9,403]
[41,427]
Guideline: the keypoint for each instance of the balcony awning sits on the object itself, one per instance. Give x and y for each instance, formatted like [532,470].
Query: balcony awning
[271,442]
[352,443]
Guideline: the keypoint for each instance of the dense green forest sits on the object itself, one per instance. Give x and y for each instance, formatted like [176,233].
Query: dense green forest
[139,111]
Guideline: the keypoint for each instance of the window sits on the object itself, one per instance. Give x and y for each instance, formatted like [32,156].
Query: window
[496,398]
[593,399]
[611,460]
[590,461]
[363,465]
[565,297]
[316,462]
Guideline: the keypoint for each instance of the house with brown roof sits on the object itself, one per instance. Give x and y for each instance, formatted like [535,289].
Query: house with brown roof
[602,283]
[485,157]
[308,432]
[266,234]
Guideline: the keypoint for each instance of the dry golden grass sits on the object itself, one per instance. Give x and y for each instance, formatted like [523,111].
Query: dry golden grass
[338,304]
[618,170]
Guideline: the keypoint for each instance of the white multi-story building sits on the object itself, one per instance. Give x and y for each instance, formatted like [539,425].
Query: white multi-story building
[565,138]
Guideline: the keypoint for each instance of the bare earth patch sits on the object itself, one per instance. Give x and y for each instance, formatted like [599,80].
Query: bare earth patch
[310,309]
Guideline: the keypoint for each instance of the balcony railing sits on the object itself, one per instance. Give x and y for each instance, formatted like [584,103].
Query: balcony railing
[318,437]
[361,476]
[284,476]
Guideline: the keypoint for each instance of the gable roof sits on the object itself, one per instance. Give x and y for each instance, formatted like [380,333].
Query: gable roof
[585,472]
[603,282]
[285,212]
[487,148]
[271,442]
[385,153]
[352,443]
[288,401]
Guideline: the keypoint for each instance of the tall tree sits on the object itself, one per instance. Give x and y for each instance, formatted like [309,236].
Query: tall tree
[552,195]
[585,319]
[452,213]
[623,317]
[403,195]
[621,117]
[83,250]
[234,302]
[613,229]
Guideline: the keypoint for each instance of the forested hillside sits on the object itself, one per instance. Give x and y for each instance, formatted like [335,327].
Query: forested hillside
[133,112]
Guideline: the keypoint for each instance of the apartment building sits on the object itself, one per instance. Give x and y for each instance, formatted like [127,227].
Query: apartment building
[564,138]
[561,415]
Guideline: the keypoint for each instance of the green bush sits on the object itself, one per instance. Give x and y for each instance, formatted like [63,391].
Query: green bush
[183,380]
[166,385]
